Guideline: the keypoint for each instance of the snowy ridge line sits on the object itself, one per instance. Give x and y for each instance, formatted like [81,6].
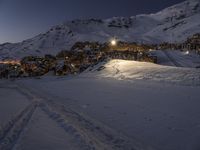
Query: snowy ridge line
[10,133]
[95,134]
[173,25]
[172,59]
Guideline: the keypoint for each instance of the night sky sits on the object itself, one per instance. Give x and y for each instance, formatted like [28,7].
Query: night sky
[22,19]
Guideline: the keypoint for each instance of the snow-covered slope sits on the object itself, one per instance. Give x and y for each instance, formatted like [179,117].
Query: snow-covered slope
[173,24]
[136,71]
[155,105]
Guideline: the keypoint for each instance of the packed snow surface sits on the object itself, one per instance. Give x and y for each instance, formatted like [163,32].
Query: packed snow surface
[118,104]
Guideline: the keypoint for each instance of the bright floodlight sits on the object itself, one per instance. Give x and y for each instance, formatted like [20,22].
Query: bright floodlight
[187,52]
[113,42]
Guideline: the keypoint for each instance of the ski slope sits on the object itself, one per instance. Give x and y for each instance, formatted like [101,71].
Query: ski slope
[183,59]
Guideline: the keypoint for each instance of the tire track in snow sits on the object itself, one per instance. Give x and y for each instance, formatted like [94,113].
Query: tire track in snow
[85,130]
[10,133]
[67,127]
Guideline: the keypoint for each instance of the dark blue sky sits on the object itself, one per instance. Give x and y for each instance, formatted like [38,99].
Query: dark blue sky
[22,19]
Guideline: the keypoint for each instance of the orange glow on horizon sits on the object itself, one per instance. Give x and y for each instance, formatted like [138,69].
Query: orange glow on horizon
[12,62]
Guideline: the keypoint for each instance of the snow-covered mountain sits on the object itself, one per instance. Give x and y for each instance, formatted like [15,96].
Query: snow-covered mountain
[173,24]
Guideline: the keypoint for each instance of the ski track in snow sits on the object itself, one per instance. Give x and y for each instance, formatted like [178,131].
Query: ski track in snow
[87,132]
[177,64]
[9,134]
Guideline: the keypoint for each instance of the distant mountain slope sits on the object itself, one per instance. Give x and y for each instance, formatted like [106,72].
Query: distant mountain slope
[173,24]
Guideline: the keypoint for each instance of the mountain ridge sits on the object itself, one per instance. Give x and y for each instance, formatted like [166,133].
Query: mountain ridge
[172,24]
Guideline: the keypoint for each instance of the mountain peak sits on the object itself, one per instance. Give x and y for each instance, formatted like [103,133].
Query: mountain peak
[173,24]
[187,8]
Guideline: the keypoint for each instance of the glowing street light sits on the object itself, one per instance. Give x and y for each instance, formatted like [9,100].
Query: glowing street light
[113,42]
[187,52]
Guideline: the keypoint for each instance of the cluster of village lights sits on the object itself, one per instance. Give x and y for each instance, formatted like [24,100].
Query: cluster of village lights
[13,62]
[113,42]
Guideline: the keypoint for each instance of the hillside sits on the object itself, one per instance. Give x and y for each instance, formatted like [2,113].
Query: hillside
[147,106]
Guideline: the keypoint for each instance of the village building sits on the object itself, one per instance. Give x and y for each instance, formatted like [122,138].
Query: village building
[81,56]
[192,43]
